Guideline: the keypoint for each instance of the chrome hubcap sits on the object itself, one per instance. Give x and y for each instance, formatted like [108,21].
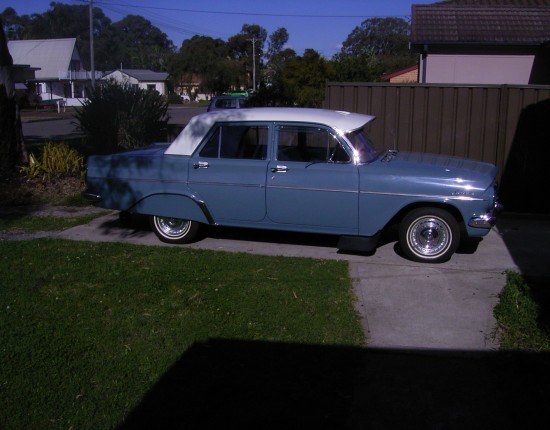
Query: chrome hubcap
[429,236]
[173,227]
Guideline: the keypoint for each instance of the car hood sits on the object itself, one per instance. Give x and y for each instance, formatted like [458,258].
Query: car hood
[430,173]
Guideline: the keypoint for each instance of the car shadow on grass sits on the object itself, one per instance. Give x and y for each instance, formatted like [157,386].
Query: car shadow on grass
[268,385]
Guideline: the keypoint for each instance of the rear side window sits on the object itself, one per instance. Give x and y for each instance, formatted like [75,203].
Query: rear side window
[237,141]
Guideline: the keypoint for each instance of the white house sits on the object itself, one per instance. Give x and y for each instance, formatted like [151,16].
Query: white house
[59,74]
[140,78]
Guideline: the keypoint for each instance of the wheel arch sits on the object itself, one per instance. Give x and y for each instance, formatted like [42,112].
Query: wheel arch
[453,210]
[174,205]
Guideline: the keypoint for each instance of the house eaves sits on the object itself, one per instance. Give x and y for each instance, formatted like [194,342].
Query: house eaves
[481,23]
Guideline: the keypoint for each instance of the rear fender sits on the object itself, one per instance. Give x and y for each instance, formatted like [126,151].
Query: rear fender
[174,206]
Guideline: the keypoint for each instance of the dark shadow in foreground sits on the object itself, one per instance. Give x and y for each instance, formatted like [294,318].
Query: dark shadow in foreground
[264,385]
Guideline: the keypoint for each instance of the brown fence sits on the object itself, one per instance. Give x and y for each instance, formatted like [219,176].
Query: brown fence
[505,125]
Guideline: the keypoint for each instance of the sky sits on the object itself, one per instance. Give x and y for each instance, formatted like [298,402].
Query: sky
[322,25]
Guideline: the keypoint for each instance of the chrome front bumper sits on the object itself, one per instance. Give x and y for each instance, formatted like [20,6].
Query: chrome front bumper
[487,220]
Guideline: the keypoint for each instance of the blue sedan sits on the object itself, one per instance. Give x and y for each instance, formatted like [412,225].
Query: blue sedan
[303,170]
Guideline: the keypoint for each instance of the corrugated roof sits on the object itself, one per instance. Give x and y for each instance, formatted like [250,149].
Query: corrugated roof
[51,55]
[506,22]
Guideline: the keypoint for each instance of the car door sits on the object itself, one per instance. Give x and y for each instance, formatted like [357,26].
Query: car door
[228,172]
[312,183]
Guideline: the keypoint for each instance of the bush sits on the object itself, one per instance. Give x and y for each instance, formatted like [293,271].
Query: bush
[56,159]
[118,117]
[173,99]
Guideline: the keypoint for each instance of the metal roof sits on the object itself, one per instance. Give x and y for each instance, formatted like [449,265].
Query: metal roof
[142,75]
[49,56]
[482,22]
[193,134]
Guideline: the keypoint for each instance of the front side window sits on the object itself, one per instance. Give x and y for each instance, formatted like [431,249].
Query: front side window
[237,141]
[309,144]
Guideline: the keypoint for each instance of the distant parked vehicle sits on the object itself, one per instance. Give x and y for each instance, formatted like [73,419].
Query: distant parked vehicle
[227,102]
[185,98]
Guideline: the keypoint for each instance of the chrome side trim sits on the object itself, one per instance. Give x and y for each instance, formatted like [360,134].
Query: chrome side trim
[311,189]
[205,211]
[92,197]
[434,196]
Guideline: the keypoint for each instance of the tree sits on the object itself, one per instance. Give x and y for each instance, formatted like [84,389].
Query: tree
[305,77]
[136,43]
[247,48]
[208,58]
[12,148]
[386,36]
[62,21]
[14,25]
[378,46]
[277,41]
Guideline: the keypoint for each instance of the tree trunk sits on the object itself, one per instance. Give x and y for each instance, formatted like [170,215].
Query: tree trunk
[12,146]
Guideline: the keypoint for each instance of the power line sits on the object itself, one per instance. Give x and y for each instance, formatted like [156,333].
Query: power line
[273,15]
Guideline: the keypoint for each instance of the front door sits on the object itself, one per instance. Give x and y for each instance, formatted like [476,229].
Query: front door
[313,182]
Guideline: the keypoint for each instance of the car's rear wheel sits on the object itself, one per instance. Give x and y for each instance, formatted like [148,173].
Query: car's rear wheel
[174,230]
[429,235]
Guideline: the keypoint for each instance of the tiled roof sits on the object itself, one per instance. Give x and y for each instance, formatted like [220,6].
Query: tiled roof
[505,22]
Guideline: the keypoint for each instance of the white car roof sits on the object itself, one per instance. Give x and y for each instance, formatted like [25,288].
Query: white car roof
[193,134]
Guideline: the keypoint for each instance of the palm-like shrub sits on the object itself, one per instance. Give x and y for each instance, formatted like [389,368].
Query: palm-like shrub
[119,116]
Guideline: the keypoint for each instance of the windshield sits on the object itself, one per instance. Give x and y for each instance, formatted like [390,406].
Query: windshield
[365,150]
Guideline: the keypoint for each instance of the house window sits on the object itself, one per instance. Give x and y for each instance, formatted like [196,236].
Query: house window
[237,141]
[151,87]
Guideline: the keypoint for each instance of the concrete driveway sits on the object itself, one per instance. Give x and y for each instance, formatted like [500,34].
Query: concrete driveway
[402,304]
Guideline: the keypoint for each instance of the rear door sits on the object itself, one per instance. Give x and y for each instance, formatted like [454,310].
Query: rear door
[228,172]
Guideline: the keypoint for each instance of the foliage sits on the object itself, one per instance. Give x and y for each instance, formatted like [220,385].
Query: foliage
[56,159]
[377,47]
[136,43]
[519,318]
[306,76]
[89,328]
[119,116]
[385,36]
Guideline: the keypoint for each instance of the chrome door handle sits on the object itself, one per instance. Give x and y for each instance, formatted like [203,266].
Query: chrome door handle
[201,165]
[279,169]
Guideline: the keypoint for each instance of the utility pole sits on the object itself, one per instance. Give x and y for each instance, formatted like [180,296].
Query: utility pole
[92,66]
[253,40]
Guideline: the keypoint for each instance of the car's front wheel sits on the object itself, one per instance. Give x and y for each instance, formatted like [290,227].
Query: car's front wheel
[174,230]
[429,235]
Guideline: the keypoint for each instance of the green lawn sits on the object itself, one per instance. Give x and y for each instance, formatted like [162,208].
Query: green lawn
[523,314]
[32,223]
[87,328]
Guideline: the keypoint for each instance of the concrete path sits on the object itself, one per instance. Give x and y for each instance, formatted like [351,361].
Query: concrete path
[403,305]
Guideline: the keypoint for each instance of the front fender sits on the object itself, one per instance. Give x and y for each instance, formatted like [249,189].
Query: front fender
[175,206]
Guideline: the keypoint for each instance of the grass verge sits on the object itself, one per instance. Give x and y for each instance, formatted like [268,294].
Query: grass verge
[87,328]
[30,223]
[522,314]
